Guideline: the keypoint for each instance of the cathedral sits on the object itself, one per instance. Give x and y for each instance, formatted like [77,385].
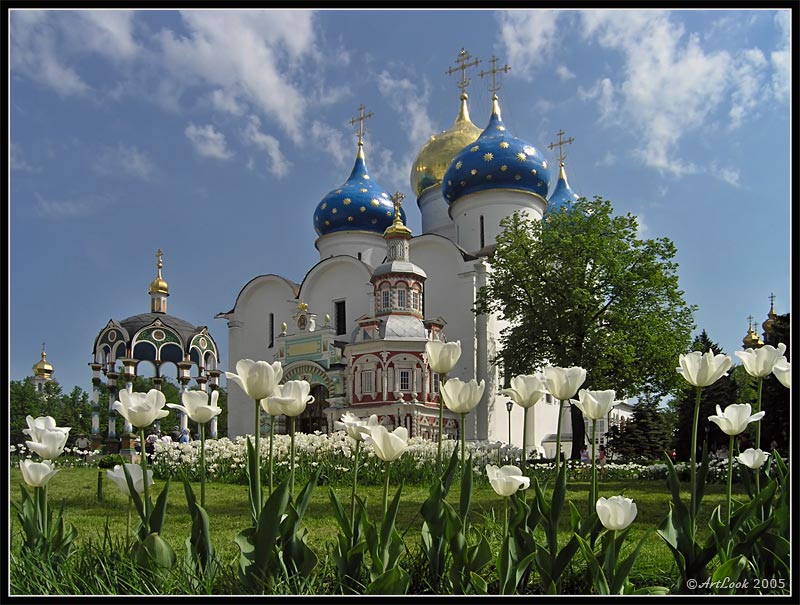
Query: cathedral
[357,324]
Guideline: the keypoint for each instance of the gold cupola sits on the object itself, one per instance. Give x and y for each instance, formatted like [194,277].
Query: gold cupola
[159,289]
[41,368]
[769,323]
[751,340]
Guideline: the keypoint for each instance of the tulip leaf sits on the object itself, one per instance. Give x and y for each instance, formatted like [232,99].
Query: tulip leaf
[624,569]
[598,577]
[393,581]
[155,554]
[159,510]
[137,501]
[478,583]
[253,481]
[341,515]
[725,576]
[466,489]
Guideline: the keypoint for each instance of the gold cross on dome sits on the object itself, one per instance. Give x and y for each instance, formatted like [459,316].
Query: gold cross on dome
[159,254]
[397,199]
[462,65]
[360,119]
[560,145]
[749,322]
[771,299]
[493,72]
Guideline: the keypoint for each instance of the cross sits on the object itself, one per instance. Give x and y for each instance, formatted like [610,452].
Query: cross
[159,254]
[43,347]
[397,198]
[771,299]
[750,322]
[560,145]
[462,65]
[494,71]
[360,119]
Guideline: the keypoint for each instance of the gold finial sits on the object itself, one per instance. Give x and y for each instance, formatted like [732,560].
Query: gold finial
[397,227]
[494,71]
[397,200]
[751,340]
[360,119]
[159,254]
[462,65]
[158,285]
[302,306]
[769,323]
[560,145]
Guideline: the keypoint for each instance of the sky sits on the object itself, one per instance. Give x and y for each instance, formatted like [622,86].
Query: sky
[213,134]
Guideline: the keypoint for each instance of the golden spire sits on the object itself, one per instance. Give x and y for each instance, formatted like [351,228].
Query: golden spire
[493,72]
[158,285]
[769,324]
[397,227]
[360,119]
[462,64]
[41,368]
[751,340]
[560,145]
[302,306]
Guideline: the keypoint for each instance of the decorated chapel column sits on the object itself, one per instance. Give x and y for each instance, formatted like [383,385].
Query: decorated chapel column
[213,384]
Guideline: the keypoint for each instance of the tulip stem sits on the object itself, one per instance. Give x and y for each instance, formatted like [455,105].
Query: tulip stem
[291,485]
[730,477]
[593,489]
[558,435]
[463,442]
[758,429]
[257,495]
[442,378]
[271,437]
[202,464]
[41,493]
[353,494]
[525,441]
[693,466]
[505,517]
[146,486]
[128,526]
[386,490]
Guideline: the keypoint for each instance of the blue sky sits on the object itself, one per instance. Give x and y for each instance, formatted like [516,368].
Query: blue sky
[213,134]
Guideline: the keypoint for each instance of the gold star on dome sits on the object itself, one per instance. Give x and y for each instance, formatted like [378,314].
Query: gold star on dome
[363,208]
[463,183]
[504,145]
[327,223]
[349,219]
[488,156]
[540,183]
[500,128]
[533,171]
[449,183]
[521,157]
[544,164]
[362,190]
[503,167]
[474,148]
[365,177]
[374,221]
[346,201]
[473,172]
[338,191]
[334,211]
[488,177]
[388,213]
[517,177]
[529,150]
[324,205]
[459,164]
[375,202]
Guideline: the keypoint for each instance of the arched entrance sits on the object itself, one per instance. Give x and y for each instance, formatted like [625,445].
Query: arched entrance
[313,419]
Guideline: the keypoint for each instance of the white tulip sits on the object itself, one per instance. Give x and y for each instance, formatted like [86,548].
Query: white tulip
[36,474]
[37,425]
[735,418]
[462,397]
[595,405]
[751,458]
[196,405]
[289,399]
[353,426]
[761,361]
[141,409]
[783,372]
[506,480]
[443,356]
[50,445]
[388,446]
[563,383]
[257,378]
[135,471]
[526,390]
[616,512]
[703,369]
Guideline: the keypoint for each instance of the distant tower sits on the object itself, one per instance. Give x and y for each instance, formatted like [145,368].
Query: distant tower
[42,372]
[769,323]
[159,290]
[751,340]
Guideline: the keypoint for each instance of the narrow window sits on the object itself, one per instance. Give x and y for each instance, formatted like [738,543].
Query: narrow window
[359,256]
[271,330]
[415,300]
[341,317]
[368,381]
[387,301]
[435,382]
[483,242]
[401,298]
[405,380]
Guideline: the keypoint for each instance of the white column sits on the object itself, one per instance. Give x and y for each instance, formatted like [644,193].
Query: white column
[128,427]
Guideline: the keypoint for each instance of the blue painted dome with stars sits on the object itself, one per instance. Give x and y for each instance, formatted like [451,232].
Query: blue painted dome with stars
[562,197]
[496,160]
[359,204]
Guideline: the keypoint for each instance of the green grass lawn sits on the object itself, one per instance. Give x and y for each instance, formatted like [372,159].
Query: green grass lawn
[228,509]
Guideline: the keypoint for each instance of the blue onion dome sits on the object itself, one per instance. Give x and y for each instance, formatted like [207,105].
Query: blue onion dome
[496,160]
[358,205]
[562,197]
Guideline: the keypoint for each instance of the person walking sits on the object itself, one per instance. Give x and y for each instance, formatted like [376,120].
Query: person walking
[601,460]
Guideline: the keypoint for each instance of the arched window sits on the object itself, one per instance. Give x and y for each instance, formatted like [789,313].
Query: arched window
[402,295]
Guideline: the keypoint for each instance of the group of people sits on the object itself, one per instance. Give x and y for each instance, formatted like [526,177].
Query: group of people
[601,458]
[176,435]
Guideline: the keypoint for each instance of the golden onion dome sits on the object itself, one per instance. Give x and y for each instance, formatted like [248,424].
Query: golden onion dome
[158,285]
[751,341]
[42,368]
[769,323]
[436,155]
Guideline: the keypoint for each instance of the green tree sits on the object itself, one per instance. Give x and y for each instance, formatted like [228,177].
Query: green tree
[648,435]
[774,396]
[580,288]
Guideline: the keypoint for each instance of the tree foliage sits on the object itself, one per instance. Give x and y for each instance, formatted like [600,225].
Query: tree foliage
[774,396]
[645,437]
[580,288]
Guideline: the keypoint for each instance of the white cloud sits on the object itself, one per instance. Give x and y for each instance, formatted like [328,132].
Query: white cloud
[728,175]
[17,160]
[106,32]
[225,101]
[332,141]
[208,142]
[780,59]
[123,159]
[603,92]
[278,164]
[528,38]
[62,209]
[563,72]
[609,159]
[750,80]
[404,96]
[642,228]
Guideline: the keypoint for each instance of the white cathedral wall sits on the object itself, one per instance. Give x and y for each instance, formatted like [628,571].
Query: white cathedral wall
[371,246]
[435,218]
[336,279]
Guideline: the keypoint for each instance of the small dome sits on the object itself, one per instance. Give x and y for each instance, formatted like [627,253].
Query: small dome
[158,285]
[562,197]
[358,205]
[436,155]
[42,368]
[496,160]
